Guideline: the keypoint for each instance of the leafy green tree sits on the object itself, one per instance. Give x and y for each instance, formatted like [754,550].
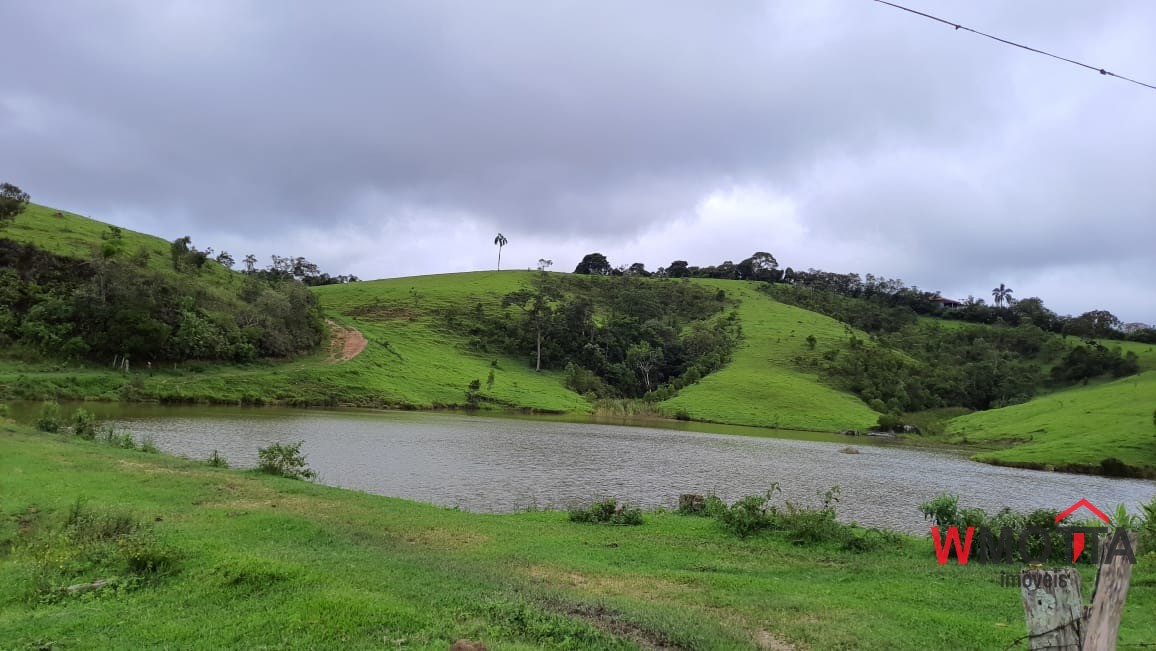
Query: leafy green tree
[637,269]
[536,306]
[594,264]
[226,260]
[544,264]
[1097,323]
[13,201]
[760,266]
[501,241]
[678,269]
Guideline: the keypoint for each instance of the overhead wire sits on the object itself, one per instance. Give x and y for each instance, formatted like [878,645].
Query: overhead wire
[1005,41]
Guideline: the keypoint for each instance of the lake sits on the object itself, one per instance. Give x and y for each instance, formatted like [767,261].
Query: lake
[491,464]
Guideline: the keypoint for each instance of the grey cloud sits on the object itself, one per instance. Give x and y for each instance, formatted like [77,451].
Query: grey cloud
[569,119]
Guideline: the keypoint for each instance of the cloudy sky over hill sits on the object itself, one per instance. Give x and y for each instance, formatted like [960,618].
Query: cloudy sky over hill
[396,138]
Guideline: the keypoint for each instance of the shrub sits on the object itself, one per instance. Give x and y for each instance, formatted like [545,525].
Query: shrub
[217,460]
[5,411]
[49,420]
[814,525]
[691,504]
[149,445]
[607,512]
[944,511]
[84,424]
[748,515]
[285,460]
[1148,529]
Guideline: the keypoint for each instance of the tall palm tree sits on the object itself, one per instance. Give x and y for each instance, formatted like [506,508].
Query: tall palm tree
[501,241]
[250,262]
[1002,294]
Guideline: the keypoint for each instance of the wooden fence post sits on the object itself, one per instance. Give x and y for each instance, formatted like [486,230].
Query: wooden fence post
[1112,579]
[1056,616]
[1054,611]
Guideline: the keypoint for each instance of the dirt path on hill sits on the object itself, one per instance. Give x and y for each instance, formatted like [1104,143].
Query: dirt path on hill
[346,343]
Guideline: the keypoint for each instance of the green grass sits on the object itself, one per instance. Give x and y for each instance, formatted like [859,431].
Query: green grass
[74,236]
[274,563]
[1075,429]
[763,385]
[416,362]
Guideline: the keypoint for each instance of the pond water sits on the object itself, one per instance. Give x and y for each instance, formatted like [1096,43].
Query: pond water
[488,464]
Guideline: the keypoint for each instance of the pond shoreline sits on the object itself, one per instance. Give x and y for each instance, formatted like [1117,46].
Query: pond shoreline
[491,462]
[974,451]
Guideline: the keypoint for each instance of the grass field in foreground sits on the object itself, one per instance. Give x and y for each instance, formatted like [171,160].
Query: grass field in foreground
[274,563]
[762,386]
[1081,426]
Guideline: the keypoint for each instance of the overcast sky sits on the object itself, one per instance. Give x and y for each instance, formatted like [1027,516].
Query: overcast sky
[390,138]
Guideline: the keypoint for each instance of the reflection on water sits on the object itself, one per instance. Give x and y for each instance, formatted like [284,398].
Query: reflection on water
[495,465]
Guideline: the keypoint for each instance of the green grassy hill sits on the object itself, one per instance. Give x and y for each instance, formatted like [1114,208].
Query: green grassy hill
[411,360]
[762,386]
[71,235]
[1077,428]
[1074,429]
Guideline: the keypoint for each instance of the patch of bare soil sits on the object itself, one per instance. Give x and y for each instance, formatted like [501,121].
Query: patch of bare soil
[346,343]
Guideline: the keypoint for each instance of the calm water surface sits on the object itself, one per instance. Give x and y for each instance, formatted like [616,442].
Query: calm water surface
[491,464]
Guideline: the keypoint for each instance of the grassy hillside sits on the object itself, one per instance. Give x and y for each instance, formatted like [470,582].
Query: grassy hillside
[411,360]
[262,562]
[1074,429]
[762,386]
[74,236]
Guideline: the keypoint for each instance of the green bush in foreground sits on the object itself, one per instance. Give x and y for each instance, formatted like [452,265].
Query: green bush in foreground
[83,424]
[217,460]
[755,514]
[607,512]
[49,419]
[748,515]
[285,460]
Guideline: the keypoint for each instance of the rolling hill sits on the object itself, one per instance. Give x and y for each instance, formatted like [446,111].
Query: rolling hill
[411,359]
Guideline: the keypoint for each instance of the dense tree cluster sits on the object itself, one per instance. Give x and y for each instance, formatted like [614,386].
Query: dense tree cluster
[760,266]
[115,305]
[910,366]
[613,338]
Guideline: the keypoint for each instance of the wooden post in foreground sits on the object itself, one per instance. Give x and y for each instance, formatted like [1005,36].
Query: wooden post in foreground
[1108,601]
[1056,616]
[1053,607]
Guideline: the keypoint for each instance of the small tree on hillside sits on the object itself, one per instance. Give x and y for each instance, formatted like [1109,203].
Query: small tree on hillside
[536,305]
[645,358]
[13,201]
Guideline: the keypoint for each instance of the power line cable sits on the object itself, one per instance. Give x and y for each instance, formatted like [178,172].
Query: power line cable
[957,26]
